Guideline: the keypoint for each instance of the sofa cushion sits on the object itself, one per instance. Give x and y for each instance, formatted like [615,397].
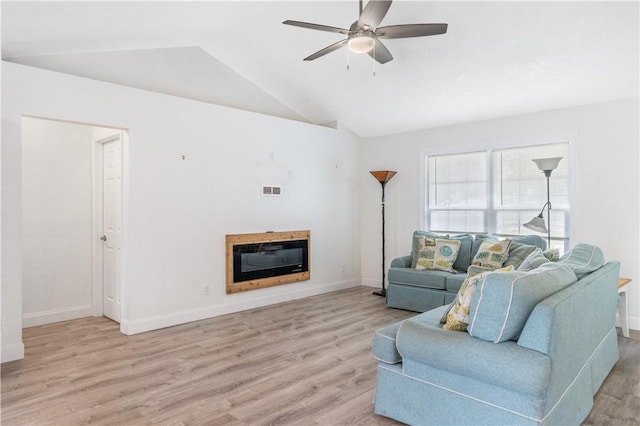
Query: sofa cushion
[531,240]
[446,254]
[464,252]
[453,282]
[426,252]
[384,344]
[502,302]
[518,252]
[534,260]
[458,315]
[492,254]
[416,278]
[583,259]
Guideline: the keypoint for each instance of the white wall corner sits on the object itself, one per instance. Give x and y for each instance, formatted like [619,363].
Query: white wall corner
[368,282]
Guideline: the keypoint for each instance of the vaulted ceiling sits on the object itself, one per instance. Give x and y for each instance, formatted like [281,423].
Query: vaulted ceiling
[497,58]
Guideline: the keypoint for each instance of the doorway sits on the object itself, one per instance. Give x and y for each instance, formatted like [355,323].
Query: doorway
[108,225]
[68,271]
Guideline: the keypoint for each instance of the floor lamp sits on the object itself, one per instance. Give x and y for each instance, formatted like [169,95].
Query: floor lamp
[546,165]
[382,176]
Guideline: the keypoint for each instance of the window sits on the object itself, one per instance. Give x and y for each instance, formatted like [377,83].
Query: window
[497,192]
[458,192]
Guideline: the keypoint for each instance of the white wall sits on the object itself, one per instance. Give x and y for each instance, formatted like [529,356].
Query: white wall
[180,210]
[56,226]
[605,212]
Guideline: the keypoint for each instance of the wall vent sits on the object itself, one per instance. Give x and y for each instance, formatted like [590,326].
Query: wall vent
[271,191]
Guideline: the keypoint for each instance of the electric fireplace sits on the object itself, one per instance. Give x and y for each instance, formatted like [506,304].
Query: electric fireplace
[267,259]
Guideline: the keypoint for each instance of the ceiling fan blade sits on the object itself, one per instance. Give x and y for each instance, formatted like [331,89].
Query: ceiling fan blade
[373,13]
[380,53]
[328,49]
[410,30]
[317,27]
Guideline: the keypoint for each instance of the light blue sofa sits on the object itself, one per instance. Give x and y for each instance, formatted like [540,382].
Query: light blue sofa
[420,291]
[545,373]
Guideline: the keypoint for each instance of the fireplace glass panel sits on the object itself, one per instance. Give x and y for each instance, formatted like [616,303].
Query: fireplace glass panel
[263,260]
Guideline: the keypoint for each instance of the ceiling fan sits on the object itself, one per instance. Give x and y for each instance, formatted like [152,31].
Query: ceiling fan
[364,34]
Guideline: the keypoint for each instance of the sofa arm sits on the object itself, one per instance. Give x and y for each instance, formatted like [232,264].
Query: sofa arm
[402,262]
[504,364]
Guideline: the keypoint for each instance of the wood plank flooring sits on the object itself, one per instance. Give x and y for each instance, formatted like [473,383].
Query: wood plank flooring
[306,362]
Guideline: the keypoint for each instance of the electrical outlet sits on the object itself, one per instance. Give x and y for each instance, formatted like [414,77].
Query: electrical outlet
[206,290]
[342,267]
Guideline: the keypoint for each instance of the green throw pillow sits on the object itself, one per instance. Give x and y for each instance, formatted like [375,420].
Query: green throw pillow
[426,252]
[518,252]
[446,254]
[492,254]
[458,314]
[534,260]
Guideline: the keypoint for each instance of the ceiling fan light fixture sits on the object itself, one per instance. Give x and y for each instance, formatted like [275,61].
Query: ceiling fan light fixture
[361,43]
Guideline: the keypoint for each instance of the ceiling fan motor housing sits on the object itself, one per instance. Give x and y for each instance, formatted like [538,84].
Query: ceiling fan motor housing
[361,42]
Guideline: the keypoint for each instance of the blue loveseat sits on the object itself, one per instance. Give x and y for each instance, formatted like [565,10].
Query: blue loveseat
[420,291]
[544,370]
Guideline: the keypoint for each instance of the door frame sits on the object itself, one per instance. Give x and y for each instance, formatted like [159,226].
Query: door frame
[97,209]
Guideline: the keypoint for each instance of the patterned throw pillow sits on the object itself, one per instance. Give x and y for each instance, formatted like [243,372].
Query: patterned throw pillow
[553,254]
[492,254]
[426,252]
[446,254]
[415,244]
[458,314]
[475,270]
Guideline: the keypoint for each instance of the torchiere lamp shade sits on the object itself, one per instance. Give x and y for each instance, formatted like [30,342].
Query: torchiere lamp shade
[547,164]
[537,224]
[383,176]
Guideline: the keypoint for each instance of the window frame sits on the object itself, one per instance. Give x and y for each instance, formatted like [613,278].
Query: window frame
[491,212]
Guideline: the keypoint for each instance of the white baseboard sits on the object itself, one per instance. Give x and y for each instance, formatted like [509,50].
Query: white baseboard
[634,322]
[56,315]
[12,352]
[155,323]
[368,282]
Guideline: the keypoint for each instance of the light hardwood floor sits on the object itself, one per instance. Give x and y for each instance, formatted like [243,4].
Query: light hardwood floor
[304,362]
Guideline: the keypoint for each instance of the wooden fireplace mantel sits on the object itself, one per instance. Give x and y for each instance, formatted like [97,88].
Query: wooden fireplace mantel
[266,237]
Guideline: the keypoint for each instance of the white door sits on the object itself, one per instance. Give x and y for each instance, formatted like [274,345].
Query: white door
[112,216]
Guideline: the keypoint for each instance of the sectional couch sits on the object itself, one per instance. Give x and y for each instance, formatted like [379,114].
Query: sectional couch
[422,290]
[539,346]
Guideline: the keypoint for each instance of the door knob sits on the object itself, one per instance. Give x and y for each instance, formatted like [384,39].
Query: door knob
[103,238]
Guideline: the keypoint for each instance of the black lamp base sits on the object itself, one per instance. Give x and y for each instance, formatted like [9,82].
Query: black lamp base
[382,293]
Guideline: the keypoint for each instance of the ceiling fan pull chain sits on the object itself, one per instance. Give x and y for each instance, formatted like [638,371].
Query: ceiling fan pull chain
[374,60]
[347,59]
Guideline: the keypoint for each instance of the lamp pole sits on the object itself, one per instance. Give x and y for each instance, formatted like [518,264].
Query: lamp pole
[547,173]
[383,176]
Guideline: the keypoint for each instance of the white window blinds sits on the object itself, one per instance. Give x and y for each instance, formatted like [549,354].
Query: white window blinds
[497,191]
[457,187]
[520,189]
